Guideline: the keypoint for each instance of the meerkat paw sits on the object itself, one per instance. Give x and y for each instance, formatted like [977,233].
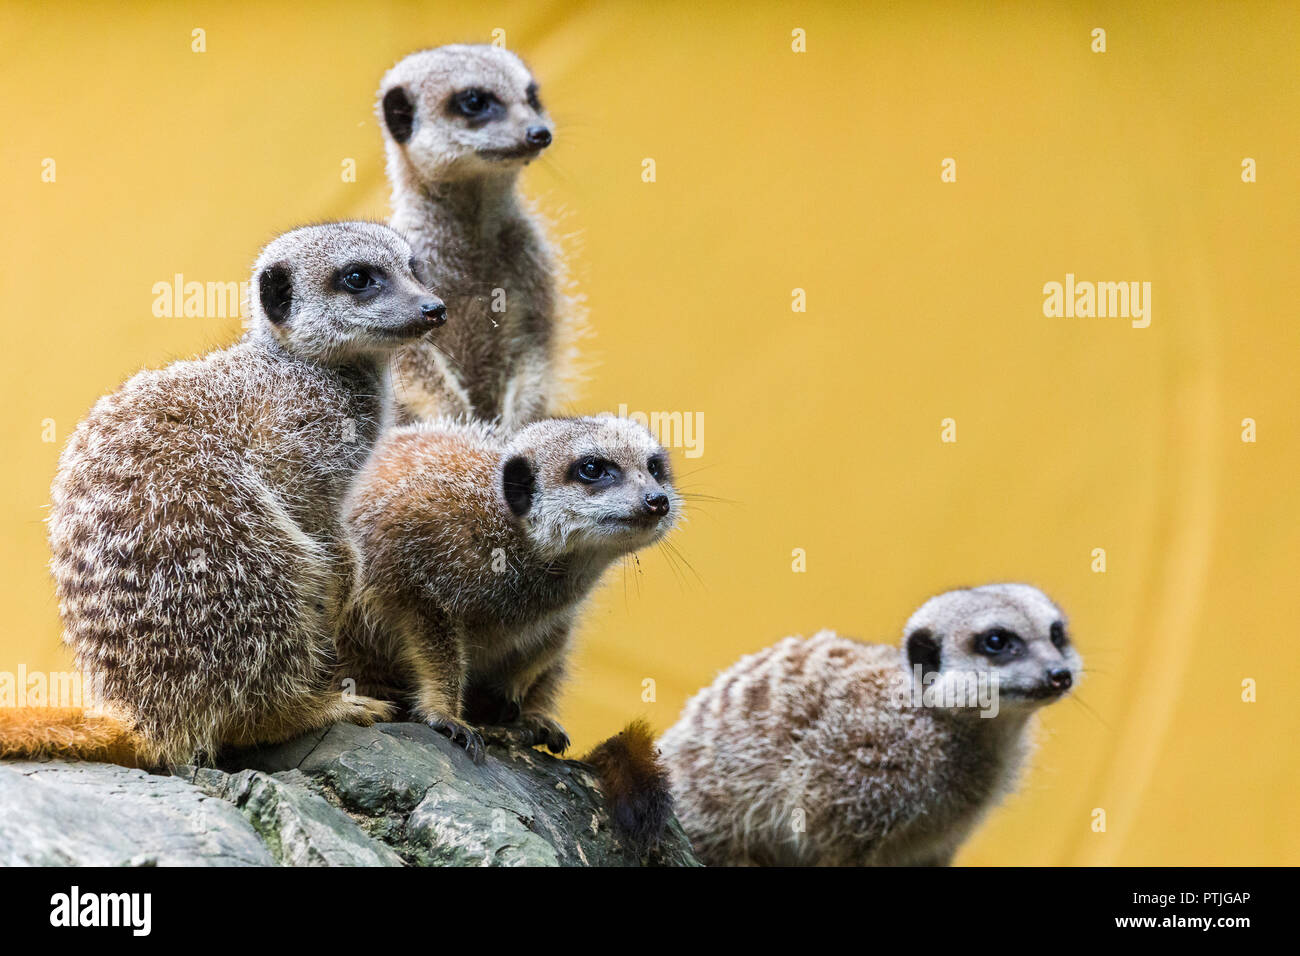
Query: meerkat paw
[528,730]
[368,710]
[460,733]
[545,731]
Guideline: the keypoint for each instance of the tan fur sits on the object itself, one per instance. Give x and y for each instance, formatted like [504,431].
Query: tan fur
[200,559]
[814,752]
[68,732]
[455,196]
[635,783]
[468,604]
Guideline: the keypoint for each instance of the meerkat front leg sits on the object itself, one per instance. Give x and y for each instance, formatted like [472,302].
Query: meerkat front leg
[538,705]
[516,703]
[433,654]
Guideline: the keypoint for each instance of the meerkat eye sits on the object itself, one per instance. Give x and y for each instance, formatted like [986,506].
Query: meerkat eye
[592,470]
[472,102]
[357,279]
[995,642]
[656,468]
[533,100]
[1058,634]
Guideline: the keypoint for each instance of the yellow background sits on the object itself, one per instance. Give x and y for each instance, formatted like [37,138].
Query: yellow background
[777,170]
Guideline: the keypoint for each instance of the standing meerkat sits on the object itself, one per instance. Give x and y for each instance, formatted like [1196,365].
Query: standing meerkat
[199,552]
[479,549]
[460,122]
[832,752]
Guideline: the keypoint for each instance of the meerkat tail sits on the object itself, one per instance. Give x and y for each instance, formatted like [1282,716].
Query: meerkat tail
[635,784]
[70,733]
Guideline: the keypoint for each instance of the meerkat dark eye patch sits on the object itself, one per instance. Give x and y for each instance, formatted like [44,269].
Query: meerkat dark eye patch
[399,113]
[998,642]
[476,105]
[359,280]
[275,291]
[518,484]
[593,470]
[1058,634]
[533,100]
[923,649]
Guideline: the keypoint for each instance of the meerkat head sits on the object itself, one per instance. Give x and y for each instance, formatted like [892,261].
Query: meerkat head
[336,292]
[1009,631]
[598,487]
[459,112]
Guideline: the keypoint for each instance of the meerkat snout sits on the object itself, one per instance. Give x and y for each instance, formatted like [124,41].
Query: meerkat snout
[657,504]
[434,311]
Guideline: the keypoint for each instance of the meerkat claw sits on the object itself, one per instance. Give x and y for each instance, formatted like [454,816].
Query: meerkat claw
[462,734]
[546,732]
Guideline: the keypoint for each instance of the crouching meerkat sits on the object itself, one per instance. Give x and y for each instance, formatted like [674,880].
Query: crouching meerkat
[478,551]
[460,122]
[199,552]
[828,752]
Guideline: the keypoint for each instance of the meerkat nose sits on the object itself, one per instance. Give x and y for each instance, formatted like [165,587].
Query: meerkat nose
[434,311]
[656,504]
[1060,677]
[538,136]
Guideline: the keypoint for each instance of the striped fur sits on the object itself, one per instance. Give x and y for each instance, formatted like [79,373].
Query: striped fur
[200,557]
[809,752]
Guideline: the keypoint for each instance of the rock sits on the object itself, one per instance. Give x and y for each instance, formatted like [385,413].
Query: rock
[299,827]
[98,814]
[387,795]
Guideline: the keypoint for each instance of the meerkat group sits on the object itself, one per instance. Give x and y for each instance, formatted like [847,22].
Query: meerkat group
[355,494]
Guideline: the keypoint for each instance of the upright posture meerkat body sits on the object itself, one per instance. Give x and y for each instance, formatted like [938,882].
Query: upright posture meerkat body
[479,549]
[199,551]
[829,752]
[460,123]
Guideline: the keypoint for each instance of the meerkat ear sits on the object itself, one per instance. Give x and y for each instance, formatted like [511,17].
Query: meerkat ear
[399,113]
[275,289]
[923,649]
[518,484]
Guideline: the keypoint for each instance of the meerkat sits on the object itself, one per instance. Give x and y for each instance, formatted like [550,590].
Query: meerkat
[200,555]
[460,123]
[827,751]
[479,548]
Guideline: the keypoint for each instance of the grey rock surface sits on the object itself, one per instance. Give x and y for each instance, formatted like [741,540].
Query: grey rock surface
[389,795]
[98,814]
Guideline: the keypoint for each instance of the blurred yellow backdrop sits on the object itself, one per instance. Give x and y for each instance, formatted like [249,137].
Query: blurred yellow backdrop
[775,171]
